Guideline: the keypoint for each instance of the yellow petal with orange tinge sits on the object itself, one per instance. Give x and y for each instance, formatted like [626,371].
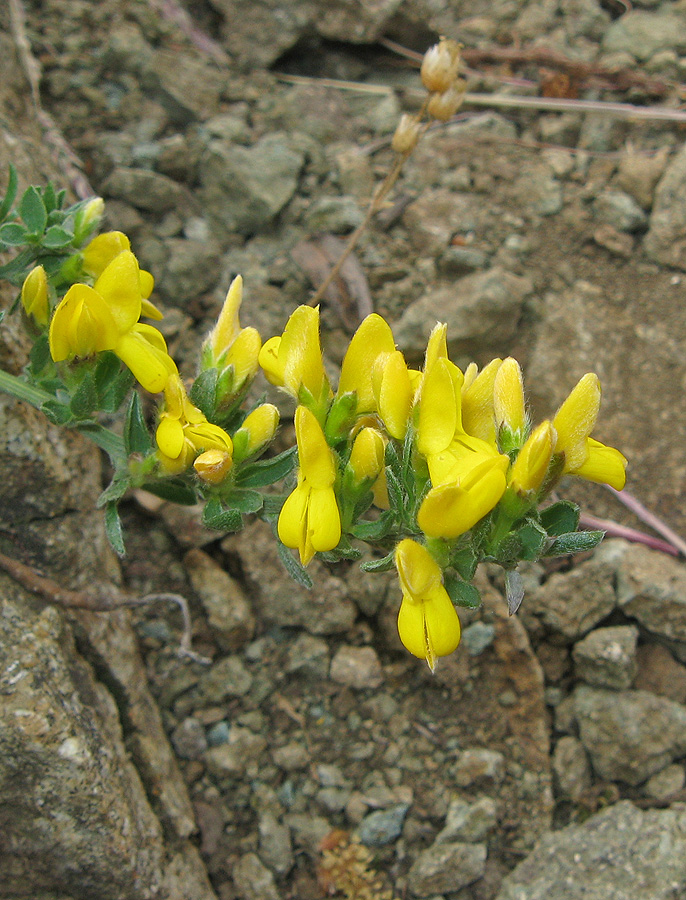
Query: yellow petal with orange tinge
[604,465]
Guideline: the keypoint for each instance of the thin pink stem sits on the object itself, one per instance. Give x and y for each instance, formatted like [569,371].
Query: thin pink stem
[650,519]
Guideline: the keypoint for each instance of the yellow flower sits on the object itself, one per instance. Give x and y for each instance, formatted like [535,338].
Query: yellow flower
[212,466]
[294,360]
[34,295]
[310,520]
[478,416]
[99,253]
[393,392]
[508,400]
[582,455]
[451,509]
[531,466]
[367,456]
[183,431]
[89,320]
[427,622]
[228,346]
[372,342]
[258,430]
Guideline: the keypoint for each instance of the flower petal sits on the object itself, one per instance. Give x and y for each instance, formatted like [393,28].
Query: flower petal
[324,519]
[373,340]
[149,362]
[317,462]
[119,286]
[604,465]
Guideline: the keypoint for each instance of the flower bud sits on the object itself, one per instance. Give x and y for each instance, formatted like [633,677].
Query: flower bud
[440,66]
[367,457]
[444,105]
[34,295]
[406,134]
[256,432]
[213,466]
[88,219]
[531,466]
[508,398]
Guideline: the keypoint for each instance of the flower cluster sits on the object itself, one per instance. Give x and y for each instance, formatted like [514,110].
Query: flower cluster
[450,457]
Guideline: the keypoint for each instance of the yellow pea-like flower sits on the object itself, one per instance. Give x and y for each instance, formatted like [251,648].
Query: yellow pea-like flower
[529,470]
[372,343]
[367,456]
[310,520]
[256,432]
[428,625]
[393,392]
[478,415]
[34,295]
[508,398]
[99,253]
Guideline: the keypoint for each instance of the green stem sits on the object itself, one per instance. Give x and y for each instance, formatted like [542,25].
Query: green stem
[102,437]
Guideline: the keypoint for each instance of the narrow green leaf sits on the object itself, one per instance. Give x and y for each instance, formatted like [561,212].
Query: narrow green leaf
[173,489]
[12,234]
[379,565]
[514,590]
[40,355]
[374,531]
[115,490]
[465,561]
[204,392]
[293,566]
[396,496]
[114,395]
[32,211]
[560,518]
[267,471]
[57,238]
[10,194]
[462,593]
[113,528]
[56,412]
[136,435]
[49,197]
[575,542]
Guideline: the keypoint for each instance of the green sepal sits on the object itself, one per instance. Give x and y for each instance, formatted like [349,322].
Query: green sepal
[172,489]
[85,399]
[136,435]
[267,471]
[462,593]
[113,528]
[371,532]
[575,542]
[293,566]
[465,561]
[8,199]
[12,234]
[379,565]
[246,502]
[32,211]
[560,518]
[56,238]
[217,517]
[204,392]
[39,355]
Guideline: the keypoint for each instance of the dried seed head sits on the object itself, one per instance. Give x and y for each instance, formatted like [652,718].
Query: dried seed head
[443,106]
[440,66]
[406,134]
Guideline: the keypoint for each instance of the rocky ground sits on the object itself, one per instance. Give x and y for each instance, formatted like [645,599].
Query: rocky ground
[313,757]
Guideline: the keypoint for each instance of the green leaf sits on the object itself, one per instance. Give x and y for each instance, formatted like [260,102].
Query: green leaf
[49,197]
[560,518]
[116,489]
[379,565]
[56,412]
[575,542]
[293,566]
[514,590]
[465,561]
[462,593]
[40,355]
[56,238]
[267,471]
[85,399]
[106,370]
[204,392]
[114,395]
[272,503]
[32,211]
[136,435]
[246,502]
[11,193]
[16,270]
[172,489]
[533,539]
[217,517]
[113,528]
[12,234]
[396,496]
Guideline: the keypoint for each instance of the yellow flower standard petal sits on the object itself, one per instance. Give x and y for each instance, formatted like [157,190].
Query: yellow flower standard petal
[428,625]
[294,361]
[373,341]
[228,325]
[439,410]
[243,355]
[119,286]
[478,417]
[317,461]
[100,252]
[393,393]
[82,325]
[508,397]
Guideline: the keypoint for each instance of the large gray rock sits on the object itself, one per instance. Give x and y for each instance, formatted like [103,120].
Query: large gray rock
[446,867]
[482,311]
[245,188]
[665,241]
[651,587]
[644,33]
[622,853]
[629,735]
[607,657]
